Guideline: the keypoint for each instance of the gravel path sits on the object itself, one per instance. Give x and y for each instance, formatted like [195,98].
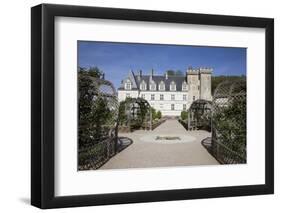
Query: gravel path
[143,154]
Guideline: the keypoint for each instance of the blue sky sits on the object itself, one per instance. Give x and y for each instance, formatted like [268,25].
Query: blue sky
[116,59]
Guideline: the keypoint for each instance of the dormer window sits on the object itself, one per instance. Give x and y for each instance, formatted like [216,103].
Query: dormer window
[161,86]
[128,85]
[152,85]
[173,86]
[184,86]
[143,85]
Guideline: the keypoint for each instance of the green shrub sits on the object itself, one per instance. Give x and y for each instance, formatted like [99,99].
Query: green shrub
[154,114]
[159,115]
[184,115]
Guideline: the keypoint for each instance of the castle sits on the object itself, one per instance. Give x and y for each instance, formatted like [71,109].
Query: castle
[168,94]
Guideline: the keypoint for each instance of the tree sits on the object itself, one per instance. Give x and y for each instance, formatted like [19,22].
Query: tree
[91,71]
[179,73]
[170,72]
[95,72]
[216,80]
[174,73]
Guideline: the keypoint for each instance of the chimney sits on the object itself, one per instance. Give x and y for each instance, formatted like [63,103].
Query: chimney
[102,76]
[139,75]
[151,74]
[189,69]
[166,75]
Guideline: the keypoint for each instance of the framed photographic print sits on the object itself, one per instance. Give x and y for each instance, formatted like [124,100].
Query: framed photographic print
[139,106]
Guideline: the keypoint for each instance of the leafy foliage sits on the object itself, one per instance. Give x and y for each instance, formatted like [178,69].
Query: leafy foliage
[155,114]
[184,115]
[122,113]
[140,112]
[174,72]
[230,124]
[159,115]
[92,117]
[216,80]
[91,71]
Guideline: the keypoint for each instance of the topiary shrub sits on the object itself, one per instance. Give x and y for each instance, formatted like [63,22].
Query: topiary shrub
[184,115]
[159,115]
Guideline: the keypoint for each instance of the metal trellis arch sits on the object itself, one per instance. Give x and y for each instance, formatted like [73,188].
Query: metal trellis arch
[228,143]
[136,114]
[103,134]
[199,115]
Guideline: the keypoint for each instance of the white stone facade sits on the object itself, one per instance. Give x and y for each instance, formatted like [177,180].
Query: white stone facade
[169,94]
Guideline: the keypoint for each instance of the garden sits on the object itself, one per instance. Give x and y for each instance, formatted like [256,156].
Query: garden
[225,117]
[136,114]
[101,117]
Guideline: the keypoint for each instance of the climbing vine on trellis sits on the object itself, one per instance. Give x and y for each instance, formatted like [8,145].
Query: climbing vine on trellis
[229,122]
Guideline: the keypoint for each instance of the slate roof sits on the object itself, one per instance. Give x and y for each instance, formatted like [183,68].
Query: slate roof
[136,80]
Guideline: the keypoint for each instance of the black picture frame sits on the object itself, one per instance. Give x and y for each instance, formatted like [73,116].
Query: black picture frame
[43,105]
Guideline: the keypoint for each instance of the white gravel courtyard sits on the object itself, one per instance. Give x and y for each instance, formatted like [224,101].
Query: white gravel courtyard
[167,145]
